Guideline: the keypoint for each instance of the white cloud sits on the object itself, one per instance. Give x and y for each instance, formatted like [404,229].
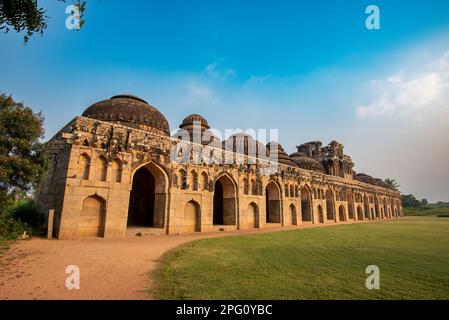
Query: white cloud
[410,94]
[216,71]
[201,92]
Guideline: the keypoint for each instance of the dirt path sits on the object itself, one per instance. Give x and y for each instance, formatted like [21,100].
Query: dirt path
[109,268]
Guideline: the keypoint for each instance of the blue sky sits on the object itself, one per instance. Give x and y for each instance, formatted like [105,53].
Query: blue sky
[308,68]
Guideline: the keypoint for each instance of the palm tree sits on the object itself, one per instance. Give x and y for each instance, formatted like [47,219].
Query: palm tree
[392,183]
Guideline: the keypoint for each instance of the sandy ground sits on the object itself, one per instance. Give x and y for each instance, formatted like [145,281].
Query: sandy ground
[109,268]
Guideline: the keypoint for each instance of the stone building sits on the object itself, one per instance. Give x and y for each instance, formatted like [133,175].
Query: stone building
[114,171]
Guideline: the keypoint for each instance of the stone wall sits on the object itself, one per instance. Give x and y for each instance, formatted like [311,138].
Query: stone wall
[90,178]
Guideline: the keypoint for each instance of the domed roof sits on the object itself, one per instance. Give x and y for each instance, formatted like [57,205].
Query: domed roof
[302,161]
[128,110]
[276,150]
[190,119]
[245,144]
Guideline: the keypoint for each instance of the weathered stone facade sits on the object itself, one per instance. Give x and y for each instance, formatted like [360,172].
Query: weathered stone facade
[112,173]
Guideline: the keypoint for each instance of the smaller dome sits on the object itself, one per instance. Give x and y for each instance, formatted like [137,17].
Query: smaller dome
[191,133]
[277,151]
[245,144]
[304,162]
[191,119]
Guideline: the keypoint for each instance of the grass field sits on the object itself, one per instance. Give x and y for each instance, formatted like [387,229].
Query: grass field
[316,263]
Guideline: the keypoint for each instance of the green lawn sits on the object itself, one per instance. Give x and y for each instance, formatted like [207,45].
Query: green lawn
[318,263]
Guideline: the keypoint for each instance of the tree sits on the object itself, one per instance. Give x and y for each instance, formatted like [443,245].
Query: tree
[410,201]
[22,155]
[424,202]
[392,183]
[20,15]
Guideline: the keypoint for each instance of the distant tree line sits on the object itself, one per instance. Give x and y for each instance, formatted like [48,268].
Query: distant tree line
[409,201]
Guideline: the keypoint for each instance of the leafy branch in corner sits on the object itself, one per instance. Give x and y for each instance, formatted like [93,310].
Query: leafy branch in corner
[28,16]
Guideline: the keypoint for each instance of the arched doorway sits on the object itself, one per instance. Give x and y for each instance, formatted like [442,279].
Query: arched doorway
[366,207]
[306,205]
[224,202]
[293,214]
[148,197]
[359,213]
[92,216]
[341,213]
[385,214]
[330,208]
[192,217]
[252,216]
[376,207]
[350,202]
[320,214]
[273,202]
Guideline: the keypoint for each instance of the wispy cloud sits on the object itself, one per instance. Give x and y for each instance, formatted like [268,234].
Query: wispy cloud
[201,92]
[410,94]
[216,70]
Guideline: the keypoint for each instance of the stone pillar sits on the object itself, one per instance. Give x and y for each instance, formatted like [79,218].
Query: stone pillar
[51,216]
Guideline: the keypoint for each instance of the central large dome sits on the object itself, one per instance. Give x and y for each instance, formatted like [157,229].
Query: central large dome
[130,111]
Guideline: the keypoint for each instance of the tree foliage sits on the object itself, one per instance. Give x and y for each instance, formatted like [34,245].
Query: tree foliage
[22,155]
[28,16]
[392,183]
[410,201]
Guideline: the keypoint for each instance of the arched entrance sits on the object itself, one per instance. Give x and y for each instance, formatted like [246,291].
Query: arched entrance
[293,214]
[273,202]
[224,202]
[192,217]
[320,214]
[359,213]
[148,197]
[376,207]
[330,208]
[350,202]
[92,216]
[366,207]
[341,213]
[306,205]
[252,216]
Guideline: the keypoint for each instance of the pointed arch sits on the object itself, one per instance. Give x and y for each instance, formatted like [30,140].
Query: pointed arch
[359,213]
[204,181]
[103,168]
[252,216]
[350,202]
[192,217]
[182,179]
[273,202]
[306,204]
[376,207]
[294,215]
[194,180]
[341,213]
[84,166]
[92,217]
[253,186]
[320,214]
[225,200]
[330,206]
[148,198]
